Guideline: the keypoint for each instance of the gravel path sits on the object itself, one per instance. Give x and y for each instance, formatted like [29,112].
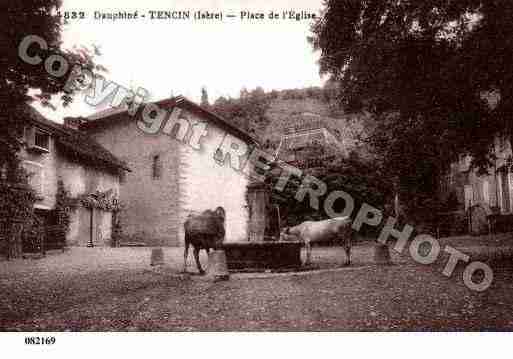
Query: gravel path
[116,289]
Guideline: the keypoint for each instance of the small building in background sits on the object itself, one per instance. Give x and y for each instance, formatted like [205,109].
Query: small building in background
[310,142]
[485,200]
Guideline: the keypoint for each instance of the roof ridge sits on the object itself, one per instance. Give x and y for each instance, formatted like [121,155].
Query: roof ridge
[177,100]
[75,139]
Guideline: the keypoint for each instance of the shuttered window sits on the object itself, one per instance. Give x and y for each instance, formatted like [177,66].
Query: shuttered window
[486,192]
[42,139]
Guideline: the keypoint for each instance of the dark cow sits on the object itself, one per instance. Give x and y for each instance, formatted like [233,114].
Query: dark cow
[203,231]
[330,229]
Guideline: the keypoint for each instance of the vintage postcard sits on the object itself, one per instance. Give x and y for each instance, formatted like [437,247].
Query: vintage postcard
[242,166]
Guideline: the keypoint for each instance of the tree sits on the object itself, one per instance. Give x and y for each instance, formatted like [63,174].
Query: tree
[362,179]
[17,208]
[248,112]
[422,68]
[204,97]
[20,19]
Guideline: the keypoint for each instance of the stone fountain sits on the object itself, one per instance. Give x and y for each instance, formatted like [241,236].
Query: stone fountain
[260,252]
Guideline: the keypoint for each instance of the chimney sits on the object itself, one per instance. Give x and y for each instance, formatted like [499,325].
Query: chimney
[73,122]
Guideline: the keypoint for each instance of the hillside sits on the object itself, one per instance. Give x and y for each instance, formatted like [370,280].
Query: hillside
[268,115]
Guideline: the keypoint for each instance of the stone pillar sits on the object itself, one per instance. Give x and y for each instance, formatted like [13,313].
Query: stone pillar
[258,201]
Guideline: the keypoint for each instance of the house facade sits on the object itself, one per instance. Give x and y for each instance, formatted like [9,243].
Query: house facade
[52,152]
[175,171]
[309,142]
[481,195]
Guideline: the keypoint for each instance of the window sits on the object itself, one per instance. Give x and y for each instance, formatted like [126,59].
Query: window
[218,156]
[486,192]
[20,134]
[156,168]
[464,162]
[502,142]
[3,172]
[42,139]
[38,140]
[469,196]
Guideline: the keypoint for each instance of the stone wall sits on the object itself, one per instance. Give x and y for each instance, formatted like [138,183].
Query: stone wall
[190,181]
[207,184]
[152,204]
[78,178]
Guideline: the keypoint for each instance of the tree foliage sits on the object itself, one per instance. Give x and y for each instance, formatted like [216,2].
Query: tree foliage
[422,67]
[248,111]
[65,204]
[361,179]
[20,19]
[21,83]
[204,97]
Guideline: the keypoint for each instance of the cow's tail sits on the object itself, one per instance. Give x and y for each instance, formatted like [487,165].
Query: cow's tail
[187,243]
[351,242]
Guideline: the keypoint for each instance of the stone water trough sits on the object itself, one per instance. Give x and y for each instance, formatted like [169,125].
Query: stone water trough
[262,255]
[260,252]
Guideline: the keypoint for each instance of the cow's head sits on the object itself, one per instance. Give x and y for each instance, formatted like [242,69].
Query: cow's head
[284,232]
[221,213]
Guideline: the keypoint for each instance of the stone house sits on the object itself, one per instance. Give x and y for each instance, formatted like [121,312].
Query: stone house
[485,201]
[479,196]
[171,176]
[309,142]
[52,152]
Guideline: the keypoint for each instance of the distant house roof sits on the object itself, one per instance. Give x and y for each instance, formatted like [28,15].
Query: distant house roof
[75,141]
[309,136]
[116,114]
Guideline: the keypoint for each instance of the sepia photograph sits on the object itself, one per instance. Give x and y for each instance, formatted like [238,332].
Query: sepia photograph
[324,166]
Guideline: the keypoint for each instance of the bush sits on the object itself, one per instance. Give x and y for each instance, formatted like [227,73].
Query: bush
[64,205]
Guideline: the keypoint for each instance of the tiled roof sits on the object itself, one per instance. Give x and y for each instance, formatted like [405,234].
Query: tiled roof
[303,140]
[113,114]
[309,137]
[76,141]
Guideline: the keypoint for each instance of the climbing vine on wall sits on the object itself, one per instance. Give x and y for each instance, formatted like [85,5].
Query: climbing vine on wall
[101,200]
[16,196]
[65,204]
[17,201]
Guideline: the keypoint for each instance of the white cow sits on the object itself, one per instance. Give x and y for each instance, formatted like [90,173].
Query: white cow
[314,231]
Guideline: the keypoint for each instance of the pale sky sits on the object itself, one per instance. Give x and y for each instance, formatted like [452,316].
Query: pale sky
[181,56]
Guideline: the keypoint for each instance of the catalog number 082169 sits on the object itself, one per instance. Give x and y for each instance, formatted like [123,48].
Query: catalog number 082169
[40,340]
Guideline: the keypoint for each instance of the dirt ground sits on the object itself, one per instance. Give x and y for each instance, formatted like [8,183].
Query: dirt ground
[107,289]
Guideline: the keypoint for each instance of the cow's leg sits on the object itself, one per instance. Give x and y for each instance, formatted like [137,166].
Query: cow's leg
[308,249]
[347,246]
[207,249]
[196,257]
[348,254]
[185,255]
